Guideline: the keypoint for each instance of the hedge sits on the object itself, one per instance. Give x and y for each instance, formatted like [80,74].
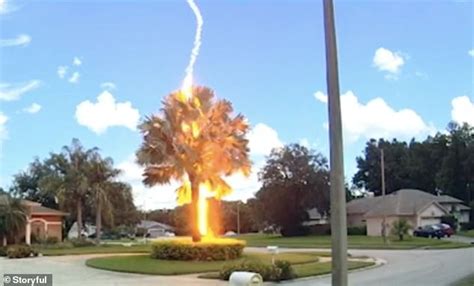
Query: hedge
[221,249]
[281,270]
[21,251]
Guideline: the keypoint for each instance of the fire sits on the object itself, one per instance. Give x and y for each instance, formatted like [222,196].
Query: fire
[203,211]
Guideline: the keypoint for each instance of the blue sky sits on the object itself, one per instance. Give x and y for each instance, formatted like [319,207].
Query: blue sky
[406,70]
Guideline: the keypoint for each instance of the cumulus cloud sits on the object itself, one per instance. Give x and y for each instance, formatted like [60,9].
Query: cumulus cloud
[262,139]
[76,61]
[471,53]
[108,85]
[377,119]
[22,40]
[74,78]
[34,108]
[62,70]
[386,60]
[11,92]
[6,6]
[105,113]
[463,110]
[3,129]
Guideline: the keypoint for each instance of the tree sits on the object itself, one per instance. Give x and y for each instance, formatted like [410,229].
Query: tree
[100,175]
[194,141]
[68,178]
[12,216]
[294,180]
[400,228]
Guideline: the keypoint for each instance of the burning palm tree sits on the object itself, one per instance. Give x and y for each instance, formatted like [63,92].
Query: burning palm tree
[195,140]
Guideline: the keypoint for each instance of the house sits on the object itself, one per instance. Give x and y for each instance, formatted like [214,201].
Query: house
[42,222]
[155,229]
[417,207]
[315,218]
[87,230]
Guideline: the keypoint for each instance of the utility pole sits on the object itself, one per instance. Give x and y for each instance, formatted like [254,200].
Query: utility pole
[382,172]
[338,196]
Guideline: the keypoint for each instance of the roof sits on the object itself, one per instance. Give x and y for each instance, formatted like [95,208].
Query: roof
[401,202]
[39,209]
[148,224]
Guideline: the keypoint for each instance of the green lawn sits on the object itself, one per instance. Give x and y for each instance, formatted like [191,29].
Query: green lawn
[315,268]
[139,248]
[468,233]
[144,264]
[363,242]
[466,281]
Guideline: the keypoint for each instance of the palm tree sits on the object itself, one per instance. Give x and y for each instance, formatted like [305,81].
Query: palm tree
[68,178]
[13,216]
[194,141]
[400,228]
[101,173]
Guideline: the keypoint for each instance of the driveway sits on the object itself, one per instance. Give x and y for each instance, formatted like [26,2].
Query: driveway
[404,267]
[459,238]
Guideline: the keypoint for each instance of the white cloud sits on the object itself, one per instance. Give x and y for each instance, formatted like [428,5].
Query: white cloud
[34,108]
[105,113]
[7,7]
[74,78]
[262,139]
[10,92]
[76,61]
[22,40]
[319,95]
[62,70]
[3,129]
[108,85]
[386,60]
[377,119]
[463,110]
[471,53]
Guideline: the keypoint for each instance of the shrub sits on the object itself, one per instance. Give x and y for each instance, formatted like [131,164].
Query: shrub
[3,251]
[21,251]
[81,242]
[357,230]
[52,240]
[282,270]
[451,220]
[465,226]
[294,231]
[400,228]
[221,249]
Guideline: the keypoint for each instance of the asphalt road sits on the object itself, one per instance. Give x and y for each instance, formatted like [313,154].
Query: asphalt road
[408,267]
[404,267]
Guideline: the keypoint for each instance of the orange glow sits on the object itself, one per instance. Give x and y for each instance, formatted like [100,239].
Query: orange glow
[203,211]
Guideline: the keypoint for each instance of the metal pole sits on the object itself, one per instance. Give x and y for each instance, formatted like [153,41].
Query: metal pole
[238,218]
[382,171]
[338,196]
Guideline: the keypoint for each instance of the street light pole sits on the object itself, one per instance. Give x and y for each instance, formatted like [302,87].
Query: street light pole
[338,196]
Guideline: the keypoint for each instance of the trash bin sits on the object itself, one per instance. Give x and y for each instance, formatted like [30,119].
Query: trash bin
[241,278]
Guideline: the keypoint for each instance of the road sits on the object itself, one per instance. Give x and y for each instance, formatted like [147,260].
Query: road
[404,267]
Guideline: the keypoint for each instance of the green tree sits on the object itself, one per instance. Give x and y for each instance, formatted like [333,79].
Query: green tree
[400,228]
[194,141]
[12,216]
[294,180]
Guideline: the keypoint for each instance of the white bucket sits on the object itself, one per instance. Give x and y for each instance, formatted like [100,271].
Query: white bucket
[241,278]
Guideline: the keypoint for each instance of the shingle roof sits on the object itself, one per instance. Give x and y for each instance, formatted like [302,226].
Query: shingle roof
[44,210]
[401,202]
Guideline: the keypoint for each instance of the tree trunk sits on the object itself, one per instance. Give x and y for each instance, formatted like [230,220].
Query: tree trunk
[4,243]
[400,236]
[196,236]
[98,222]
[79,219]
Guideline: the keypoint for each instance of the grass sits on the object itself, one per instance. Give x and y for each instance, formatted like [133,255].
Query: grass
[141,248]
[466,281]
[144,264]
[468,233]
[315,268]
[355,241]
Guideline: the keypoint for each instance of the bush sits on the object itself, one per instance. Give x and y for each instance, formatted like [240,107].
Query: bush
[3,251]
[21,251]
[451,220]
[294,231]
[465,226]
[357,230]
[222,249]
[282,270]
[81,242]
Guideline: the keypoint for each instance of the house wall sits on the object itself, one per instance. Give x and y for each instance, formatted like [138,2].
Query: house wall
[374,224]
[355,220]
[463,217]
[431,215]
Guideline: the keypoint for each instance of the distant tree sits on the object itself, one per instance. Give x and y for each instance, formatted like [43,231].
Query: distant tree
[294,180]
[197,139]
[400,228]
[12,217]
[233,211]
[124,211]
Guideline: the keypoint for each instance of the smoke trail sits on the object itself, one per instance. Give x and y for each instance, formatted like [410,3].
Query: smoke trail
[188,80]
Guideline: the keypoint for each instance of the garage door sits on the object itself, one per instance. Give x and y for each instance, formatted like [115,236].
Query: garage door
[430,220]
